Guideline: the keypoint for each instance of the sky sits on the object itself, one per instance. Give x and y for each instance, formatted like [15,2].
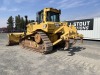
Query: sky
[71,9]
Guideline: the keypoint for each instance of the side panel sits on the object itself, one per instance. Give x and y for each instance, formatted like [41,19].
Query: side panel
[93,31]
[32,28]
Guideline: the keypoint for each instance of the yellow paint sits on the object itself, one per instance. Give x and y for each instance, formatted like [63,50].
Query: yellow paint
[54,32]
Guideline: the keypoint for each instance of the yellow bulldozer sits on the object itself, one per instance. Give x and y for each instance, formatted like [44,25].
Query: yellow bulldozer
[46,32]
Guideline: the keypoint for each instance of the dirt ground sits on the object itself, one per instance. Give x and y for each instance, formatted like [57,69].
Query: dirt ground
[82,59]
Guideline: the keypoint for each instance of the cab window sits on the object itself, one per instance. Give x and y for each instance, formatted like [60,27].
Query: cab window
[52,16]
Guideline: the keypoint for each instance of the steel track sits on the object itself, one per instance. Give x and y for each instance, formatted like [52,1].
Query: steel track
[45,47]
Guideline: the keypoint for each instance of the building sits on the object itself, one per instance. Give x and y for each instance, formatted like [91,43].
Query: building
[3,30]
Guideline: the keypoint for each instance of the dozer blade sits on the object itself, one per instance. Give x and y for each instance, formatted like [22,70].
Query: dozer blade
[14,38]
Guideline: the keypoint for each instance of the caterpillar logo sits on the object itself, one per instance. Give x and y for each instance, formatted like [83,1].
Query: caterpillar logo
[85,24]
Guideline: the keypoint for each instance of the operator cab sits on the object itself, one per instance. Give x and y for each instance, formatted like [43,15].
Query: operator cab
[39,17]
[48,15]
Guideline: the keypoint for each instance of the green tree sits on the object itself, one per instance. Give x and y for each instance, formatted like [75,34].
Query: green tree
[17,23]
[10,23]
[22,25]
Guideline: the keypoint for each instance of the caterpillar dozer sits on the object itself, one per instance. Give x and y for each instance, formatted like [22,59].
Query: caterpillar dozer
[46,32]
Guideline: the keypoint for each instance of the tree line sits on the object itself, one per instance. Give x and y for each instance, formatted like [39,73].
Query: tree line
[17,24]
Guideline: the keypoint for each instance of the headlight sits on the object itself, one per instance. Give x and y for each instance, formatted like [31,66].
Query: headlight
[57,25]
[44,26]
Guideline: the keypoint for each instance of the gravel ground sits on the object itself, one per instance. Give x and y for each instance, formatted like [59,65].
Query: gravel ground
[82,59]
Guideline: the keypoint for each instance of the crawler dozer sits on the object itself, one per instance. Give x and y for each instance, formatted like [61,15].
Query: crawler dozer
[46,32]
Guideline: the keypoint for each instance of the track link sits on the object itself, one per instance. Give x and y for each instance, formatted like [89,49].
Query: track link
[45,47]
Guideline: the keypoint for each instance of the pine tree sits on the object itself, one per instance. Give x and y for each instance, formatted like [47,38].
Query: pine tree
[22,25]
[17,23]
[10,23]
